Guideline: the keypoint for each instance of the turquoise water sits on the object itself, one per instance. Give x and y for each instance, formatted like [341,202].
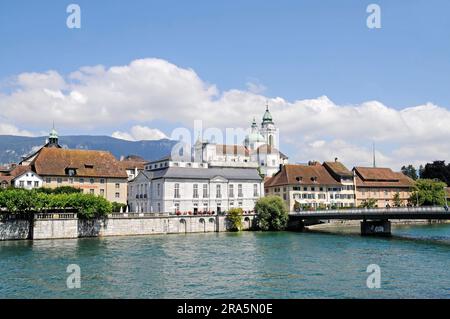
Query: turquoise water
[415,263]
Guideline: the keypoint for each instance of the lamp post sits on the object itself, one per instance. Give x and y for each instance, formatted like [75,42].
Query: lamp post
[417,198]
[445,195]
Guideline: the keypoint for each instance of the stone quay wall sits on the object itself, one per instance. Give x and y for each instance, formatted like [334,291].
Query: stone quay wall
[66,226]
[14,229]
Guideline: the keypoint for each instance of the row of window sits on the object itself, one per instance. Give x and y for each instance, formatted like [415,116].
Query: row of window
[313,188]
[71,180]
[29,184]
[323,196]
[218,191]
[102,193]
[375,192]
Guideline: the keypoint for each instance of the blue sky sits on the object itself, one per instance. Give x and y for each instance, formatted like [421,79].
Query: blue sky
[297,50]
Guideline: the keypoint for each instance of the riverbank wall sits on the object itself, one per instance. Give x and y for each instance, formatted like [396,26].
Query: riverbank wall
[336,224]
[67,226]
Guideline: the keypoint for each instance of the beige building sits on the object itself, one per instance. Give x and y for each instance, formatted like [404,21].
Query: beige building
[95,172]
[381,184]
[313,186]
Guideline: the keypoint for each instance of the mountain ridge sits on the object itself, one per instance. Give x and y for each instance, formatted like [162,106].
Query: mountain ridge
[13,148]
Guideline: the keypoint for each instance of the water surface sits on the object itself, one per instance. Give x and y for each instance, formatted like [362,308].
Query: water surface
[415,263]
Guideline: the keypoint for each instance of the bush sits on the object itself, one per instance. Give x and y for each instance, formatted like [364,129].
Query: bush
[272,213]
[117,206]
[26,201]
[235,219]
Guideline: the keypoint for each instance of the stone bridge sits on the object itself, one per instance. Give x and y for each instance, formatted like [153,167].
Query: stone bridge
[374,221]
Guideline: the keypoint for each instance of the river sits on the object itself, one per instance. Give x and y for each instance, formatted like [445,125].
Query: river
[414,263]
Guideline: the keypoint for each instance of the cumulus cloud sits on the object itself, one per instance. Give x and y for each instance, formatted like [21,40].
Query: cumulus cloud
[140,133]
[96,97]
[8,129]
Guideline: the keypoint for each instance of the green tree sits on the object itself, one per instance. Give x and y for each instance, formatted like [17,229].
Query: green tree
[60,190]
[272,213]
[437,170]
[369,203]
[410,171]
[297,206]
[397,200]
[234,218]
[428,192]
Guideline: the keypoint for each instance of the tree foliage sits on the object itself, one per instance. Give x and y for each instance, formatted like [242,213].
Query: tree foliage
[369,203]
[437,170]
[272,213]
[428,192]
[234,217]
[410,171]
[397,200]
[59,190]
[117,206]
[28,201]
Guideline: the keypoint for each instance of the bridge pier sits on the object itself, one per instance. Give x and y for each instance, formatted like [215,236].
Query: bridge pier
[376,228]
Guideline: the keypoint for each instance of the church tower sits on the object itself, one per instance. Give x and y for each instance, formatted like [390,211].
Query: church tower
[53,138]
[268,129]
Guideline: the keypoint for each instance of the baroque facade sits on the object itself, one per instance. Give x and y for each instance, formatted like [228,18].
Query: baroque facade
[260,149]
[168,186]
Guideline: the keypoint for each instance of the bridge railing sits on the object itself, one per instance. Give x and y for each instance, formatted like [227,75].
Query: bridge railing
[357,211]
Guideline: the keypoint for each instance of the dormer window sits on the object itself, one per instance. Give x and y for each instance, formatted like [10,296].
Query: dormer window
[90,166]
[314,179]
[71,171]
[299,179]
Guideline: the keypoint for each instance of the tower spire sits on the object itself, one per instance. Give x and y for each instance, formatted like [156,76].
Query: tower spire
[373,151]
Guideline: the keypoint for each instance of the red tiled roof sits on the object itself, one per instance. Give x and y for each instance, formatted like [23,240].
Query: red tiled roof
[381,177]
[338,169]
[56,161]
[132,164]
[301,175]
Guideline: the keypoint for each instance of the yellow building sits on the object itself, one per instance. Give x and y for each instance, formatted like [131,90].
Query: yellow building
[381,184]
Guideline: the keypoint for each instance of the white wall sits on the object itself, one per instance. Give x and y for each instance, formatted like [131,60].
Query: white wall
[28,180]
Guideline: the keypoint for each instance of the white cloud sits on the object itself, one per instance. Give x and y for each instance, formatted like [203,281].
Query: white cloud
[140,133]
[8,129]
[97,97]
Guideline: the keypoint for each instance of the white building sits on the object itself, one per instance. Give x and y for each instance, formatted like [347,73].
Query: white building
[259,149]
[168,186]
[27,179]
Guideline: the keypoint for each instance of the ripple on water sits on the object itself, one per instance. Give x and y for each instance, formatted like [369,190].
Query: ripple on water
[228,265]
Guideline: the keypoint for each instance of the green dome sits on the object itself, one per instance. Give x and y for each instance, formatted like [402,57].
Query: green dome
[255,137]
[267,118]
